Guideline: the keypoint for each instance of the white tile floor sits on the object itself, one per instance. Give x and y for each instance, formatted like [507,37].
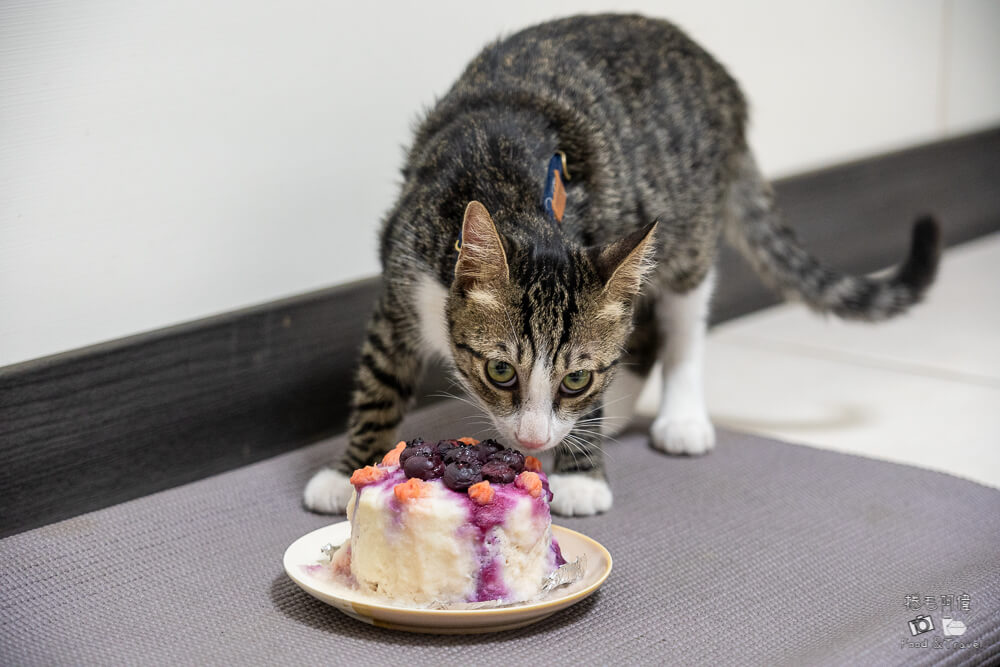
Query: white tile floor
[922,390]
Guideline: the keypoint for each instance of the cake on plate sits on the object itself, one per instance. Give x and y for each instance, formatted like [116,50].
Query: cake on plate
[453,522]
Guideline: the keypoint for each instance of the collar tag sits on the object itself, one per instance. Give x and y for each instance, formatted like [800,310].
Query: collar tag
[554,197]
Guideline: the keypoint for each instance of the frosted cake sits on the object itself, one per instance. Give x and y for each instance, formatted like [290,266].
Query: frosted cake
[453,522]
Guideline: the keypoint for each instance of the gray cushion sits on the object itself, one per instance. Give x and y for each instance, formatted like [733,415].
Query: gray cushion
[762,552]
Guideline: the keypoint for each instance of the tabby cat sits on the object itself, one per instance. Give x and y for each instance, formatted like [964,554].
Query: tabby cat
[539,313]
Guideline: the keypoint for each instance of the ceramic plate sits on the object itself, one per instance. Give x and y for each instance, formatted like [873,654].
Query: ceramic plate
[305,552]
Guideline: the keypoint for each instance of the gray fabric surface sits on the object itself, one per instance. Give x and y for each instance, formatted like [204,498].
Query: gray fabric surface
[761,553]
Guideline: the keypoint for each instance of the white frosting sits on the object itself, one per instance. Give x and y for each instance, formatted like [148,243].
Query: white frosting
[425,550]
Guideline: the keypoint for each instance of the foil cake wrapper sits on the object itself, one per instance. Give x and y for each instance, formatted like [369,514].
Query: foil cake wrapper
[564,575]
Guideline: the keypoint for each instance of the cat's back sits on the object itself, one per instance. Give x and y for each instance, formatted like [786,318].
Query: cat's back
[648,120]
[626,83]
[640,63]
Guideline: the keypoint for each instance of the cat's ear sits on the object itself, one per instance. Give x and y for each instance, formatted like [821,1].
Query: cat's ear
[624,264]
[482,258]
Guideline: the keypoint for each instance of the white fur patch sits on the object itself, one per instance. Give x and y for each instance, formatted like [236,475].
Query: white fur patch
[431,296]
[328,492]
[484,298]
[692,436]
[535,423]
[613,310]
[579,495]
[682,426]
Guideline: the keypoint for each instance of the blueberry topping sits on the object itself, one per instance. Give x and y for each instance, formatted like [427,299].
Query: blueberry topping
[421,467]
[498,472]
[444,445]
[513,459]
[464,454]
[488,448]
[460,476]
[421,449]
[460,465]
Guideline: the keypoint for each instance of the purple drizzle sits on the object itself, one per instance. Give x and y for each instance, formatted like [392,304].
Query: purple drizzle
[557,553]
[490,584]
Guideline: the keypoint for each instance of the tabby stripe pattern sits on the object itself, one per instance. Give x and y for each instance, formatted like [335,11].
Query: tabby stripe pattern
[383,388]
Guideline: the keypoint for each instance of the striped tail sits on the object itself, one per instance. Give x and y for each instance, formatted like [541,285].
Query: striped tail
[777,257]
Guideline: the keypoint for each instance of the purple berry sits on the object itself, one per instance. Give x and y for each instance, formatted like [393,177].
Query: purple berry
[498,472]
[459,477]
[464,454]
[421,449]
[444,445]
[488,448]
[421,467]
[510,457]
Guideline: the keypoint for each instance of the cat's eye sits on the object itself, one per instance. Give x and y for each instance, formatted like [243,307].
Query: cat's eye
[501,373]
[575,383]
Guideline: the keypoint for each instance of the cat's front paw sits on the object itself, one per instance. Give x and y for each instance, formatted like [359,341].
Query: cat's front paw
[328,492]
[579,495]
[690,435]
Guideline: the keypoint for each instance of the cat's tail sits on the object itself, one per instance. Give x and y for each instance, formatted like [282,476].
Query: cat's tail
[755,228]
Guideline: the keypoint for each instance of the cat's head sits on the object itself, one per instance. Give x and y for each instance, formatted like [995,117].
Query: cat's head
[536,331]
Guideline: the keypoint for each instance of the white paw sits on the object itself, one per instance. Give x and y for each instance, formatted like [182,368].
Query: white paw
[579,495]
[683,436]
[328,492]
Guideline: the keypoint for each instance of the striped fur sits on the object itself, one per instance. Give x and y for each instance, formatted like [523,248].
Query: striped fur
[654,129]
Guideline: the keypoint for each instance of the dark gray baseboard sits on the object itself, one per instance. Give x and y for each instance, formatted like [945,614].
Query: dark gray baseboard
[101,425]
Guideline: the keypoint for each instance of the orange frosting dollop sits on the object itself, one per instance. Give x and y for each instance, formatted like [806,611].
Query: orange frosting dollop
[482,492]
[530,482]
[532,464]
[367,475]
[391,457]
[411,489]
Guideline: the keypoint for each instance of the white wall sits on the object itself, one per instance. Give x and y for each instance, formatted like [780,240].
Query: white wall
[161,162]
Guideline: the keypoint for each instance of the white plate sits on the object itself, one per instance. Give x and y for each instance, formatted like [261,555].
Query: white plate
[305,552]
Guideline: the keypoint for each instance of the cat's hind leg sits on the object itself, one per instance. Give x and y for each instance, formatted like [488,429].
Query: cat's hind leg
[682,425]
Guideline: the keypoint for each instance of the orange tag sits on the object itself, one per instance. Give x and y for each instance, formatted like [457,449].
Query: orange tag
[558,196]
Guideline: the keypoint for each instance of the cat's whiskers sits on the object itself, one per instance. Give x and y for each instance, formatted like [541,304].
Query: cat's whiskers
[474,401]
[573,448]
[598,437]
[609,421]
[592,439]
[578,445]
[445,394]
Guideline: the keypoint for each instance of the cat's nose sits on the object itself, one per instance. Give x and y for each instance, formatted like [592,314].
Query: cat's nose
[529,444]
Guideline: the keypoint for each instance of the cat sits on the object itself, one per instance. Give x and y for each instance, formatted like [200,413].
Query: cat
[544,318]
